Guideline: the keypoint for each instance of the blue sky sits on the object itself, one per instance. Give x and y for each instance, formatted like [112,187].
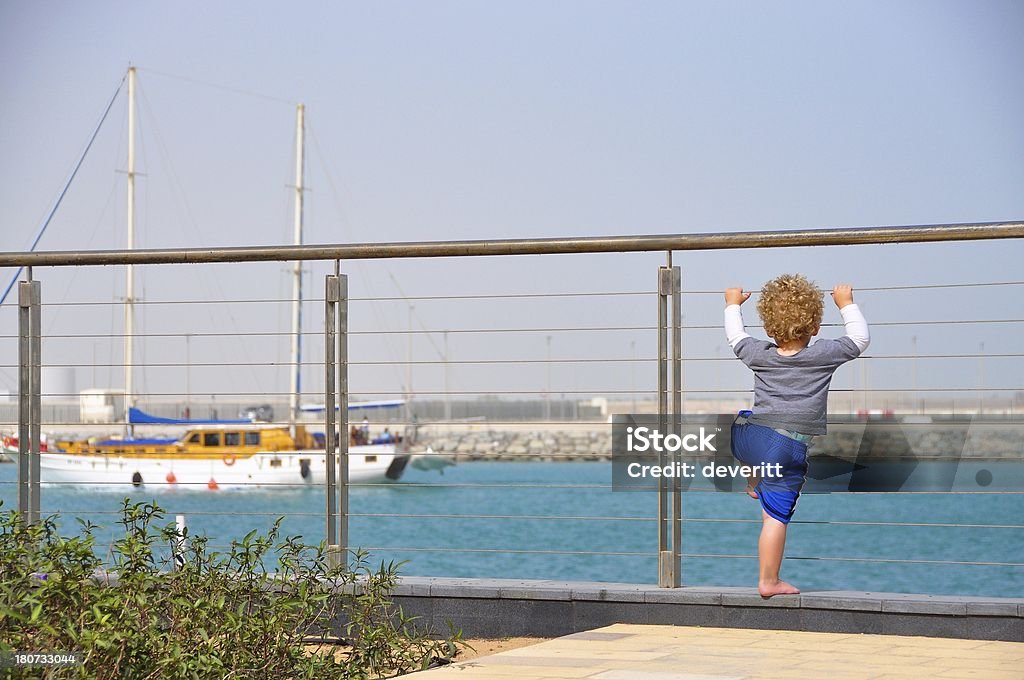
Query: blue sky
[452,120]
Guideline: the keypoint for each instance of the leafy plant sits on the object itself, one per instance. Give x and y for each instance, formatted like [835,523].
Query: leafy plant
[197,613]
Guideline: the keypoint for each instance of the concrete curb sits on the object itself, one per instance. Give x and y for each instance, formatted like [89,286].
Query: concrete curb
[512,607]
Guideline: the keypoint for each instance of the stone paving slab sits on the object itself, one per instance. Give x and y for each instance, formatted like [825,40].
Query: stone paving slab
[649,652]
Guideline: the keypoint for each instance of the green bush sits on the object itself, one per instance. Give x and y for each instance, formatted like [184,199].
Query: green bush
[213,615]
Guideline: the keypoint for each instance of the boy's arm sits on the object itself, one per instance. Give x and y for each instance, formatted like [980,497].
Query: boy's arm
[734,297]
[853,319]
[734,325]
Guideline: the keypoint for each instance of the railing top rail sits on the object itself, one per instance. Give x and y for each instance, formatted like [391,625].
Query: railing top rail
[537,246]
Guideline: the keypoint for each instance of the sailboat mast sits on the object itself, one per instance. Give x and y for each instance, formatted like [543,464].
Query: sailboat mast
[296,354]
[129,298]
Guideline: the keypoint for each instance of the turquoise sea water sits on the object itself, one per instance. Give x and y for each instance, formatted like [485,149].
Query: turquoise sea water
[393,522]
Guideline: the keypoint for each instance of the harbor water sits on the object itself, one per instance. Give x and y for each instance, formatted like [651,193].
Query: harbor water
[562,521]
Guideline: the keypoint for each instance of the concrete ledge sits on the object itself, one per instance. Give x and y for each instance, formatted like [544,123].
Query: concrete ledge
[512,607]
[840,601]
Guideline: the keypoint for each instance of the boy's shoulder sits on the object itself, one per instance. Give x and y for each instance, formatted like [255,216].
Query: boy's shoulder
[750,347]
[832,346]
[751,343]
[831,352]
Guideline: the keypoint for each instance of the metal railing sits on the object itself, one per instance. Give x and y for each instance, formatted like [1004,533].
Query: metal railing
[337,364]
[538,246]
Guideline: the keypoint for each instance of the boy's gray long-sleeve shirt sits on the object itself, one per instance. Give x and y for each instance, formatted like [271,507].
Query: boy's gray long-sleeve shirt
[791,392]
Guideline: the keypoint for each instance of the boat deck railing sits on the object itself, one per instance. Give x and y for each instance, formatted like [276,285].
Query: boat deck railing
[571,357]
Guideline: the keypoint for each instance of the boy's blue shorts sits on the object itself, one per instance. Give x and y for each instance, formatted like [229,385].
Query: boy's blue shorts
[754,444]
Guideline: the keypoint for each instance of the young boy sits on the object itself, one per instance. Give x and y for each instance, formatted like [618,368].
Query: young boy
[791,379]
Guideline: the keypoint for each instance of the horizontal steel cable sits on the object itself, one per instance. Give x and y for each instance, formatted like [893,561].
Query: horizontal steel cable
[595,518]
[589,456]
[441,331]
[479,362]
[604,392]
[489,550]
[511,296]
[878,560]
[696,556]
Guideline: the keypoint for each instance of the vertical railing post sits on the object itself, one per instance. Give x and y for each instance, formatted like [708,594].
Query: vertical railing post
[665,576]
[24,394]
[342,372]
[178,543]
[331,434]
[677,426]
[29,397]
[669,420]
[36,352]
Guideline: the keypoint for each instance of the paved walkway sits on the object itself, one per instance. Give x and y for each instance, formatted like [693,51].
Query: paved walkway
[639,652]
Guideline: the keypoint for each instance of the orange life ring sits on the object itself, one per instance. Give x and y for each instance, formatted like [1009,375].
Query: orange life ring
[229,460]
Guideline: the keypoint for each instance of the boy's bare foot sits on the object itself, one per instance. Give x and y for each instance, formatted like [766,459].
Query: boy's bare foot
[779,587]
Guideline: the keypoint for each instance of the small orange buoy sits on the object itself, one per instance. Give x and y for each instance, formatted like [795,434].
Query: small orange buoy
[171,479]
[212,484]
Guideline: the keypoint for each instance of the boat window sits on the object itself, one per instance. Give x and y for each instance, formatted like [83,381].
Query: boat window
[231,439]
[194,439]
[371,459]
[252,438]
[211,439]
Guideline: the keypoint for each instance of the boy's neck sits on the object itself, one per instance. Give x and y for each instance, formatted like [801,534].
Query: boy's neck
[793,346]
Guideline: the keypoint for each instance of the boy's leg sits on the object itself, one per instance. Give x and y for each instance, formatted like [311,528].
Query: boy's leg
[770,548]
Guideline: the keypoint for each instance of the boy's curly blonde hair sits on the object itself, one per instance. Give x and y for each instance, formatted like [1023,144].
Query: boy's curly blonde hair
[790,307]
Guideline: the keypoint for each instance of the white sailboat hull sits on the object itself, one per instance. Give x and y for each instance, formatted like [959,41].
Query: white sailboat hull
[290,469]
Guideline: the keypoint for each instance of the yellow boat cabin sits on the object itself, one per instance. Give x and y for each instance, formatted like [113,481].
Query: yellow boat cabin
[201,442]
